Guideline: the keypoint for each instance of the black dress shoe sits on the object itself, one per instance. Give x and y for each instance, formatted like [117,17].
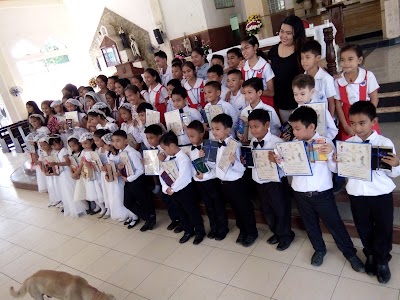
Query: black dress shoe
[173,225]
[357,264]
[148,225]
[249,240]
[178,229]
[220,236]
[274,239]
[283,245]
[370,265]
[241,238]
[211,235]
[198,238]
[383,273]
[185,238]
[128,221]
[318,258]
[133,223]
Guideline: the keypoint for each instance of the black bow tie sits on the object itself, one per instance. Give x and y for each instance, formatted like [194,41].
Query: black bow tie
[196,147]
[181,110]
[366,142]
[154,148]
[220,144]
[172,157]
[261,143]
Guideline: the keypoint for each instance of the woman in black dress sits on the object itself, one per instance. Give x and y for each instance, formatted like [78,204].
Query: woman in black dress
[285,62]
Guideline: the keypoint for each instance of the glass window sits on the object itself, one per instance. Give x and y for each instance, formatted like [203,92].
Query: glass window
[276,6]
[224,3]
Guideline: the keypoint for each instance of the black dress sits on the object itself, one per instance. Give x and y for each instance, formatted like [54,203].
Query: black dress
[285,70]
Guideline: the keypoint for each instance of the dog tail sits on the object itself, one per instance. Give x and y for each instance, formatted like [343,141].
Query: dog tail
[22,291]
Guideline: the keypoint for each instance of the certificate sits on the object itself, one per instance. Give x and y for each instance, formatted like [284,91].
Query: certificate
[378,152]
[74,163]
[51,170]
[152,117]
[320,109]
[266,169]
[230,149]
[94,157]
[71,117]
[111,173]
[295,160]
[210,148]
[242,128]
[151,162]
[354,160]
[213,111]
[171,169]
[128,169]
[247,154]
[174,122]
[314,150]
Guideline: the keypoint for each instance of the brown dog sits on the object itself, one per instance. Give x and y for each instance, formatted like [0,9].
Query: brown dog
[59,285]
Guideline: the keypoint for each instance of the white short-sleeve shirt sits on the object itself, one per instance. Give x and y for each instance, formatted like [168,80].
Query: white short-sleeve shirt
[153,94]
[324,86]
[262,66]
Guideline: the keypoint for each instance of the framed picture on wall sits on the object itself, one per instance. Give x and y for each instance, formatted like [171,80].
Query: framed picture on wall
[224,3]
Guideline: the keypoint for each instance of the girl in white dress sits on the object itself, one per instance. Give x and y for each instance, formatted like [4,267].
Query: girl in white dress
[80,127]
[98,118]
[105,108]
[71,208]
[37,122]
[115,189]
[36,153]
[91,178]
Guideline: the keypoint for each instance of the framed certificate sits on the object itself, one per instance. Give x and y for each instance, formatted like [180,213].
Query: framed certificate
[111,173]
[242,128]
[266,169]
[320,109]
[247,154]
[378,152]
[71,117]
[152,117]
[171,169]
[210,148]
[314,152]
[94,157]
[295,160]
[200,165]
[213,111]
[128,169]
[230,148]
[354,160]
[174,122]
[151,162]
[51,170]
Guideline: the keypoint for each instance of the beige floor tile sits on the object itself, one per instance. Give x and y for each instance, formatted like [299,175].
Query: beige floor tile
[333,260]
[106,265]
[28,237]
[95,282]
[259,276]
[71,226]
[135,242]
[63,252]
[229,243]
[163,221]
[112,237]
[188,256]
[132,273]
[220,265]
[10,227]
[304,284]
[10,252]
[162,283]
[49,242]
[159,249]
[94,231]
[267,251]
[198,288]
[352,290]
[117,292]
[5,289]
[232,293]
[86,257]
[133,296]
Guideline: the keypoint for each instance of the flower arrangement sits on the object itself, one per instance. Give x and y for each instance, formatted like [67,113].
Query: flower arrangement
[253,25]
[92,82]
[205,46]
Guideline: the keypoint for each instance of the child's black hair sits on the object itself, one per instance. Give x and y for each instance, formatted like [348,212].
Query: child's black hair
[142,83]
[120,133]
[303,81]
[200,51]
[55,140]
[363,108]
[74,140]
[235,51]
[169,138]
[216,69]
[154,129]
[161,54]
[143,106]
[177,64]
[87,88]
[123,82]
[353,47]
[252,40]
[175,83]
[181,91]
[224,119]
[36,109]
[154,73]
[112,94]
[190,65]
[259,115]
[95,114]
[255,83]
[115,78]
[218,56]
[100,132]
[312,46]
[214,84]
[304,114]
[196,125]
[237,72]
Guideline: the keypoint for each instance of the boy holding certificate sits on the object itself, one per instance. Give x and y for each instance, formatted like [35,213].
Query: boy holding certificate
[176,181]
[272,187]
[372,201]
[136,198]
[207,183]
[230,171]
[314,194]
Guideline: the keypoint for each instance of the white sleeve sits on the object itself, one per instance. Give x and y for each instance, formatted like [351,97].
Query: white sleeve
[135,159]
[329,87]
[112,127]
[331,129]
[275,123]
[163,94]
[146,96]
[337,93]
[372,83]
[196,115]
[233,112]
[185,171]
[332,165]
[164,186]
[268,74]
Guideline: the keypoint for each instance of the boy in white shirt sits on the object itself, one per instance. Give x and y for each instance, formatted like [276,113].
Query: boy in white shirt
[216,73]
[164,70]
[274,196]
[232,183]
[252,90]
[217,59]
[303,90]
[181,190]
[372,201]
[234,83]
[324,83]
[314,194]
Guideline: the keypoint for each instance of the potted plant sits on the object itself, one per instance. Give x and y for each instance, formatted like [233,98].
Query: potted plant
[253,25]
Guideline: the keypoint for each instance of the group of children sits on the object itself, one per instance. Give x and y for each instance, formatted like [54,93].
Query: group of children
[107,169]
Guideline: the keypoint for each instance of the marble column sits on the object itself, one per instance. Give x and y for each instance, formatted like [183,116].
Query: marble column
[390,12]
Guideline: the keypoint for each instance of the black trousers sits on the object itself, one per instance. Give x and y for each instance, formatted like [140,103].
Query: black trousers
[188,211]
[235,192]
[276,207]
[313,206]
[373,217]
[171,207]
[210,192]
[138,199]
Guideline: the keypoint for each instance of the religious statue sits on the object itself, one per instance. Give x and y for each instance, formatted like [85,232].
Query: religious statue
[197,43]
[134,48]
[186,44]
[123,37]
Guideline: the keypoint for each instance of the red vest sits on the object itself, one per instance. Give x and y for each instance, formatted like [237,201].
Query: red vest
[202,102]
[161,107]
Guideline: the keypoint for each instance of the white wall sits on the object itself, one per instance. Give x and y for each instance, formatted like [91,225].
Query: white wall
[220,17]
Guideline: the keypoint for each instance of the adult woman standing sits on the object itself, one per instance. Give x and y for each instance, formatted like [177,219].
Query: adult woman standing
[285,62]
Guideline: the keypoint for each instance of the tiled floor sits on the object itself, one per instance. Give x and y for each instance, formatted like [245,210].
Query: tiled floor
[133,265]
